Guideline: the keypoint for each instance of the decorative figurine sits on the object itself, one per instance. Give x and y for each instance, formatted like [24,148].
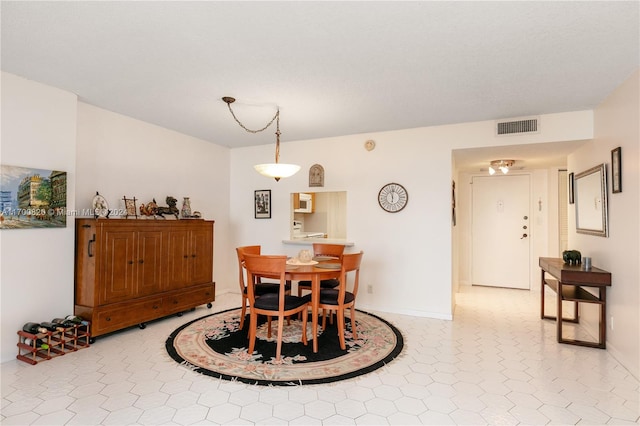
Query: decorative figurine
[171,209]
[149,209]
[572,257]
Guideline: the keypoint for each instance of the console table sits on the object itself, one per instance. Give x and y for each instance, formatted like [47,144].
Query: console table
[568,281]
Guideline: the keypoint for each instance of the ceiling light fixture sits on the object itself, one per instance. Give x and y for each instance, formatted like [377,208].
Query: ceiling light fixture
[502,165]
[275,170]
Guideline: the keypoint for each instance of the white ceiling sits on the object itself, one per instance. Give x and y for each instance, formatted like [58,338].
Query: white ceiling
[333,68]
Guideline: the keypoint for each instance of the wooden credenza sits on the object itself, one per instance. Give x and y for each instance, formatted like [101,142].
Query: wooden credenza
[129,272]
[570,283]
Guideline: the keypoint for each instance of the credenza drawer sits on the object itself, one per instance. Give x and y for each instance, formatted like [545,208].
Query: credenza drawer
[118,316]
[188,299]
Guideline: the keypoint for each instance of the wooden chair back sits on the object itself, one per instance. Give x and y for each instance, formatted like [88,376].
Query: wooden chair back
[350,263]
[322,249]
[343,299]
[273,267]
[265,266]
[241,251]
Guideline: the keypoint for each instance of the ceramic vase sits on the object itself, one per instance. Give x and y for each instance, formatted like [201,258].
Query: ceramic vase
[186,207]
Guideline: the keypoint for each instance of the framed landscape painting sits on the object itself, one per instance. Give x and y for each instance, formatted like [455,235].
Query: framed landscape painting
[32,198]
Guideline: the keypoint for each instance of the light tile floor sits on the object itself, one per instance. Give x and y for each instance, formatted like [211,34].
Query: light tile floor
[496,363]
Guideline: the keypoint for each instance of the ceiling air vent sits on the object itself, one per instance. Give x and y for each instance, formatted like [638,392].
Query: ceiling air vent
[513,127]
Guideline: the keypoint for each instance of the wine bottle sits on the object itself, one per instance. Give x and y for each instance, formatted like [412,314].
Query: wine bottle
[49,326]
[39,343]
[62,322]
[31,327]
[74,319]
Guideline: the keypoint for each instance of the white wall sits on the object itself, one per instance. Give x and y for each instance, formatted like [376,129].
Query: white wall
[616,124]
[36,275]
[408,257]
[101,151]
[118,156]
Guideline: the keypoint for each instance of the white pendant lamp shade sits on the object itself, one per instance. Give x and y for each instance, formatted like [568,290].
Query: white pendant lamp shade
[277,170]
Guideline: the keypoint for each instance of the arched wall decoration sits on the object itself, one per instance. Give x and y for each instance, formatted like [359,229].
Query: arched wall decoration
[316,175]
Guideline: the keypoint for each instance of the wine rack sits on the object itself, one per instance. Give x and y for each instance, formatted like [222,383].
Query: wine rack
[58,343]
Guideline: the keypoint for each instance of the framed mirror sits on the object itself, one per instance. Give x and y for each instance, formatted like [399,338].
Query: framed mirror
[590,199]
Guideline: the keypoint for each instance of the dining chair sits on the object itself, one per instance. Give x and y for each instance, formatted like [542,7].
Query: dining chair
[277,304]
[321,249]
[259,286]
[339,299]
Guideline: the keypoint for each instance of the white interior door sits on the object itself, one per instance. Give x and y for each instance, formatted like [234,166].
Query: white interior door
[501,228]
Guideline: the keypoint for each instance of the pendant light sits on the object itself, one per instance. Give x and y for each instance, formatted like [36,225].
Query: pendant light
[275,170]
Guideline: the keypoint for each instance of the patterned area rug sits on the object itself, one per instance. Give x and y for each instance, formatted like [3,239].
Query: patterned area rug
[214,345]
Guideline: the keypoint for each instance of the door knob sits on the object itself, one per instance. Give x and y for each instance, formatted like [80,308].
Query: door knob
[524,236]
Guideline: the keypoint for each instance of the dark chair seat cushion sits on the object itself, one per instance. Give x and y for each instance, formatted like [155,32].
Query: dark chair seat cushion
[264,288]
[330,297]
[269,301]
[330,283]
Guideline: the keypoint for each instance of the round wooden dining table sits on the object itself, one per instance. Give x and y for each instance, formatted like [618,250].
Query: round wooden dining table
[314,274]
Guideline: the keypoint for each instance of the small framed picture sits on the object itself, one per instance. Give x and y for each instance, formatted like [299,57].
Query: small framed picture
[130,207]
[616,170]
[453,202]
[262,204]
[571,188]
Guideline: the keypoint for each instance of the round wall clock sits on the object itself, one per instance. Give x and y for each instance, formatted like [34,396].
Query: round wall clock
[100,206]
[393,197]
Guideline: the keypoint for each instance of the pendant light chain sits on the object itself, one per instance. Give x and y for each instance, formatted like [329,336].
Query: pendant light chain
[277,135]
[275,170]
[251,130]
